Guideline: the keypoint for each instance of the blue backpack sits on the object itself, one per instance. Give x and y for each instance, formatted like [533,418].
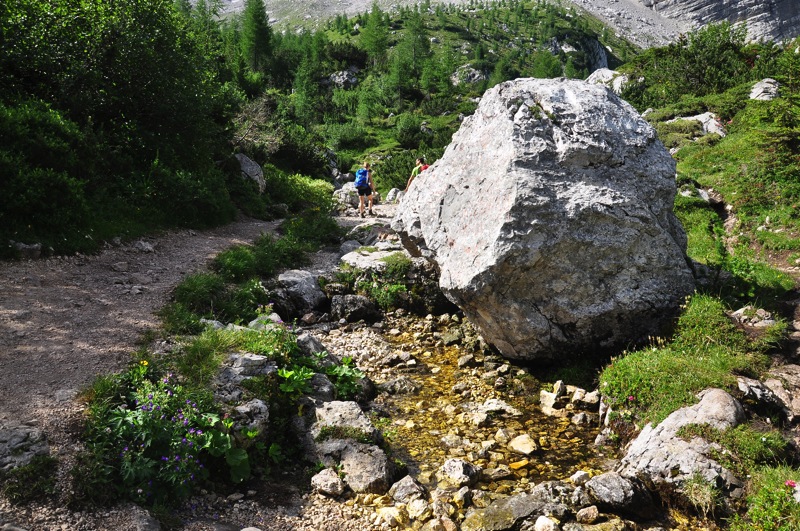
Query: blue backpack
[361,178]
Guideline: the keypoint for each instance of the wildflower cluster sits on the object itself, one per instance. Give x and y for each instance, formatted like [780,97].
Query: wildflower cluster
[162,435]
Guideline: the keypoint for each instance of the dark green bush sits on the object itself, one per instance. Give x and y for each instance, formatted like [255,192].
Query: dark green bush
[314,227]
[200,291]
[350,135]
[235,264]
[408,131]
[301,151]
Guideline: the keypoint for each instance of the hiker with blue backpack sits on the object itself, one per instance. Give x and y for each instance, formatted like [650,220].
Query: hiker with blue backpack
[365,187]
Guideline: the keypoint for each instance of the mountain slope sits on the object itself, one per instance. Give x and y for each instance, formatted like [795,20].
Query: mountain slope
[645,22]
[771,20]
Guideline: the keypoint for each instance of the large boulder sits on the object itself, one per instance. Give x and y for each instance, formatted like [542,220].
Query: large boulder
[550,218]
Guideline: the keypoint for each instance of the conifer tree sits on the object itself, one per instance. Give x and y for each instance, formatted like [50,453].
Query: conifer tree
[375,36]
[256,36]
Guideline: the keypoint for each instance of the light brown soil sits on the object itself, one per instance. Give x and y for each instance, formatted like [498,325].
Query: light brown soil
[63,321]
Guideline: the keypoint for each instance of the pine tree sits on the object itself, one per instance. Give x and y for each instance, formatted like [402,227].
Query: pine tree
[375,36]
[256,36]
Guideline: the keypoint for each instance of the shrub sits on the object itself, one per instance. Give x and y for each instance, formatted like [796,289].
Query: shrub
[351,135]
[298,191]
[200,292]
[236,263]
[243,302]
[408,131]
[315,227]
[163,438]
[299,149]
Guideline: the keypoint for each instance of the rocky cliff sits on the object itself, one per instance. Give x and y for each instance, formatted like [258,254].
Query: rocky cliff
[776,20]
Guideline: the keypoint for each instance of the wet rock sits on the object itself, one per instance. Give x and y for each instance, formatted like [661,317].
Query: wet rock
[579,478]
[587,515]
[615,493]
[407,489]
[457,473]
[419,509]
[452,336]
[502,514]
[366,468]
[544,523]
[523,444]
[394,517]
[343,417]
[399,386]
[439,524]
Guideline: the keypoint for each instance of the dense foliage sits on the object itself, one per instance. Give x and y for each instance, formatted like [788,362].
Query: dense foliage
[121,117]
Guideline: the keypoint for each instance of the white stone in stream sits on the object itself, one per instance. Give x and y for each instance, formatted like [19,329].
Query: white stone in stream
[579,478]
[523,444]
[543,523]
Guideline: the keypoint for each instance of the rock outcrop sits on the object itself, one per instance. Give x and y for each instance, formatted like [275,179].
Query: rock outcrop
[609,78]
[665,461]
[251,170]
[550,218]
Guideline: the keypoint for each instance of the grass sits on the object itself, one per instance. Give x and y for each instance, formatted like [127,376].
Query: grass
[199,360]
[31,482]
[232,291]
[707,351]
[770,502]
[744,448]
[702,494]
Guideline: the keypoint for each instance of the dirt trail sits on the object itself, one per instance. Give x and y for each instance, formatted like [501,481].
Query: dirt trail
[64,321]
